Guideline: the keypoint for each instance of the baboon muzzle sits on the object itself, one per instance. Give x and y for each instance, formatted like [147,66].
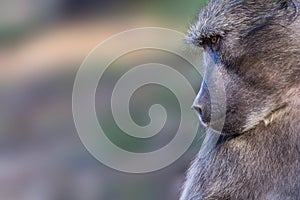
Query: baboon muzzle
[202,104]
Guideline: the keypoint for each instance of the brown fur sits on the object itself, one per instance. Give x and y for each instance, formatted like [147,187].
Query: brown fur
[258,56]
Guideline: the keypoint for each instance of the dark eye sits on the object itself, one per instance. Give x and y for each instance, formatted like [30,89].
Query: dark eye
[214,40]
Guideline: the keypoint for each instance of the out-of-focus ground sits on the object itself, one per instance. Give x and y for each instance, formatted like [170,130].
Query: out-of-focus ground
[42,44]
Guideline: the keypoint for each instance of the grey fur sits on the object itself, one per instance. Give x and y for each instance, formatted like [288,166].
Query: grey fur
[258,56]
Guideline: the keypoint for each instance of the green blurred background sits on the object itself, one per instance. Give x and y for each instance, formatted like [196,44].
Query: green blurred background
[42,44]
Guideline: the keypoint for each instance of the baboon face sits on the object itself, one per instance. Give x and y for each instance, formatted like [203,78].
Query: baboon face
[253,46]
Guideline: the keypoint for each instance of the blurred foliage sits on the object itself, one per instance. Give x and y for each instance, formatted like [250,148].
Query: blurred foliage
[175,8]
[167,10]
[41,155]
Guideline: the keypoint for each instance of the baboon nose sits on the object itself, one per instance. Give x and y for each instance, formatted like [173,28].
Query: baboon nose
[199,110]
[203,113]
[202,104]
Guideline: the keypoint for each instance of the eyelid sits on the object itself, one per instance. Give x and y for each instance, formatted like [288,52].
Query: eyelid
[208,41]
[214,40]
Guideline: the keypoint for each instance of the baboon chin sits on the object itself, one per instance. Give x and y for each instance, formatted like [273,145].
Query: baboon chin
[253,47]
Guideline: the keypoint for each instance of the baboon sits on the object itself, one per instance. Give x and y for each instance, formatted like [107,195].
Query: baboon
[255,47]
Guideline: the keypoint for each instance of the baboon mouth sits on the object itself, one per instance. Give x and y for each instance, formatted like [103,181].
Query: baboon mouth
[216,123]
[273,115]
[269,118]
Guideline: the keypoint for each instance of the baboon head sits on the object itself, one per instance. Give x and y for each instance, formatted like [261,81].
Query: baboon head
[253,46]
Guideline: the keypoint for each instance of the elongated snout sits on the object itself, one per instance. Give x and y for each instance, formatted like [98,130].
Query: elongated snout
[202,104]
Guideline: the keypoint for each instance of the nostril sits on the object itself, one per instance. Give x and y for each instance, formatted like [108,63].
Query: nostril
[198,109]
[202,113]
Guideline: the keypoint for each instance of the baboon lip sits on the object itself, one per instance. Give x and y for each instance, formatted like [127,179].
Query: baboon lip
[216,124]
[203,123]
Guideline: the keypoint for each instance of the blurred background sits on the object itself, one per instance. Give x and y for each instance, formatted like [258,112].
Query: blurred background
[42,45]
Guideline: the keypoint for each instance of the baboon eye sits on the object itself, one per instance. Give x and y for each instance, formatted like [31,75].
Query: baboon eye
[214,40]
